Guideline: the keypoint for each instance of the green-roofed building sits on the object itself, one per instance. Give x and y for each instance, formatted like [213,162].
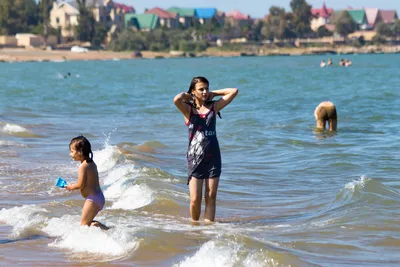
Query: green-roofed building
[182,12]
[143,22]
[186,16]
[359,17]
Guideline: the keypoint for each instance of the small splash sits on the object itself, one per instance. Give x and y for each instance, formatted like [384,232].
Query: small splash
[360,183]
[23,219]
[16,130]
[131,198]
[82,240]
[13,128]
[228,254]
[106,158]
[210,254]
[120,173]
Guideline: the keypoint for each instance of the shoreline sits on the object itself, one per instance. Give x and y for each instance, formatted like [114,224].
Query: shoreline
[8,55]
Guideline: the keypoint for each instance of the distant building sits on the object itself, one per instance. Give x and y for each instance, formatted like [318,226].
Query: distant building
[167,19]
[359,17]
[207,15]
[321,16]
[8,41]
[237,19]
[388,16]
[367,35]
[186,16]
[32,40]
[142,22]
[373,17]
[64,18]
[124,8]
[64,14]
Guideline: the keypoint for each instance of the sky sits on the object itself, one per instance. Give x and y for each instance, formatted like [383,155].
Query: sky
[258,8]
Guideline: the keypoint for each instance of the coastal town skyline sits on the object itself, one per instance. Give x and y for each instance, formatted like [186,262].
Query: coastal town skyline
[257,9]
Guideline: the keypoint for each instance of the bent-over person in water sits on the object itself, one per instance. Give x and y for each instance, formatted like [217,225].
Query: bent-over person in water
[326,112]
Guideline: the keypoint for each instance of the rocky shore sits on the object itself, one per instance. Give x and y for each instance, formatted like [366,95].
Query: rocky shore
[38,55]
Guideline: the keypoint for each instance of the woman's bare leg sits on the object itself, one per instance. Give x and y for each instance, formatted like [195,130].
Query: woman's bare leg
[195,190]
[211,199]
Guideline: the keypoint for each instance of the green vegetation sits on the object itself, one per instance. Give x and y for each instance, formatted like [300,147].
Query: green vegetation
[345,24]
[18,16]
[301,17]
[322,32]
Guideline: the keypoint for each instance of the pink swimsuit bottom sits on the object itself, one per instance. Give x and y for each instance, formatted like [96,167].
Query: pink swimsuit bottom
[98,199]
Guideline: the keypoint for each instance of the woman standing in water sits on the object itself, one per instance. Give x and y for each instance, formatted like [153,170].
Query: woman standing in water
[203,155]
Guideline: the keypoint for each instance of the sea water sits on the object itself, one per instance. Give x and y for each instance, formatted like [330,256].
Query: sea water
[289,195]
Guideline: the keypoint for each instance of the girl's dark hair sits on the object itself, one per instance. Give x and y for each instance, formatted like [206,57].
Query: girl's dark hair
[82,145]
[192,86]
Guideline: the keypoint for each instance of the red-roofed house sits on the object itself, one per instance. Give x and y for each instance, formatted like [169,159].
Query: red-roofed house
[237,19]
[373,17]
[388,16]
[124,8]
[167,19]
[320,16]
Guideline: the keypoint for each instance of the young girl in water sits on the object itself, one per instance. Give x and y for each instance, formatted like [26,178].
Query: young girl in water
[88,181]
[203,155]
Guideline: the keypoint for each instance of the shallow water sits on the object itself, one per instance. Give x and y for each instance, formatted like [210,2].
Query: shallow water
[288,196]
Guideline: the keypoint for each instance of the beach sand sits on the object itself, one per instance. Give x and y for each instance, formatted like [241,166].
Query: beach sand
[23,55]
[36,54]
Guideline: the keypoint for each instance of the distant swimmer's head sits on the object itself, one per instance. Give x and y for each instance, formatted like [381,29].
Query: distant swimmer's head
[326,112]
[80,149]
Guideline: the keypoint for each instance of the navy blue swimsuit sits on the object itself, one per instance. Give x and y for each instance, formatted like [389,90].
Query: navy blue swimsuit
[203,155]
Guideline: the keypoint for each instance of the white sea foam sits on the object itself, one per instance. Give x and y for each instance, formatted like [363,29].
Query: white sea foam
[258,259]
[119,187]
[106,158]
[211,254]
[227,254]
[118,241]
[119,173]
[357,183]
[23,218]
[13,128]
[133,197]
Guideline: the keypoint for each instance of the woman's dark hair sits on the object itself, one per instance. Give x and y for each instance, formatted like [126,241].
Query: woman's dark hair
[196,80]
[82,145]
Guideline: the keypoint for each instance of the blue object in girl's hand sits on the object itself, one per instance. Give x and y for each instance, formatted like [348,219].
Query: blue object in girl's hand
[61,182]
